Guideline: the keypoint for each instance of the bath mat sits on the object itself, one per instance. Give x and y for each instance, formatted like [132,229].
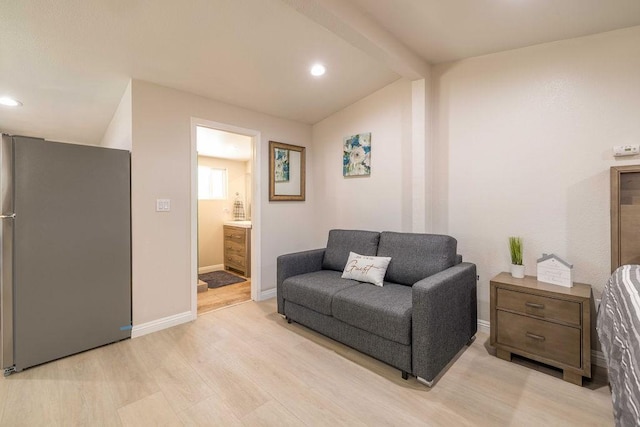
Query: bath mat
[218,279]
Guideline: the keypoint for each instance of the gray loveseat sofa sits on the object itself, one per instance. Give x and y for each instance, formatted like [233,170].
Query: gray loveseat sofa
[417,322]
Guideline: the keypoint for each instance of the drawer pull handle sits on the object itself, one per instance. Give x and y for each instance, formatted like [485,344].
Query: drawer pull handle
[534,336]
[534,305]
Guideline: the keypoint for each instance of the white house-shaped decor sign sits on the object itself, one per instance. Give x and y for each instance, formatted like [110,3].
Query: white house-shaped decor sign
[555,270]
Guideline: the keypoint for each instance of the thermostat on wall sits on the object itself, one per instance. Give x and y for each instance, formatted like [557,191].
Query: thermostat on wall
[626,150]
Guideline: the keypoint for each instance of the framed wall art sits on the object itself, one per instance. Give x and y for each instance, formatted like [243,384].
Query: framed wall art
[286,172]
[281,165]
[356,157]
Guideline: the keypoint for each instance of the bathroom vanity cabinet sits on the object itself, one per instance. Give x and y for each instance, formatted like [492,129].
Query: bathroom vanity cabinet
[237,249]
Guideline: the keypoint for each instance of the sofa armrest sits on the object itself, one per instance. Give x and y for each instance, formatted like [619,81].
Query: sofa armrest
[444,318]
[290,265]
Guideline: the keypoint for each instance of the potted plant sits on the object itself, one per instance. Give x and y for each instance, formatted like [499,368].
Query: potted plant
[515,248]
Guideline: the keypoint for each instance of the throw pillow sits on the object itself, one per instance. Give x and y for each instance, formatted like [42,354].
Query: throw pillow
[364,268]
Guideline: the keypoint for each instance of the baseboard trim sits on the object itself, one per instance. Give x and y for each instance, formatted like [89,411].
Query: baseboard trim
[268,294]
[210,268]
[160,324]
[484,326]
[597,357]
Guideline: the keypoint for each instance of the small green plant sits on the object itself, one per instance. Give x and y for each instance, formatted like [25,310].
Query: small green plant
[515,247]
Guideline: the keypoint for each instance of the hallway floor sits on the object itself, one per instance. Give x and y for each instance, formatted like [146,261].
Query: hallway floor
[213,299]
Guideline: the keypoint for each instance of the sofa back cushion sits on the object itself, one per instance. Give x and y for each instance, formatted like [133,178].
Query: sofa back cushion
[416,256]
[341,242]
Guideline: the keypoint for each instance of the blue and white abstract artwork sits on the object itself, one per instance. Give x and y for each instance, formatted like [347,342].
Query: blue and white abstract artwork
[356,158]
[281,165]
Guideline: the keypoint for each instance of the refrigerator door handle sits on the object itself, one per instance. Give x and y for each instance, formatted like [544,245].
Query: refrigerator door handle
[9,216]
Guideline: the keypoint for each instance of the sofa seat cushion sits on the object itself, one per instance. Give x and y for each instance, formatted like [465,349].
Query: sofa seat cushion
[384,311]
[315,290]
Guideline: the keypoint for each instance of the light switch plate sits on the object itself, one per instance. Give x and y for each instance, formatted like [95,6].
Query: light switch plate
[163,205]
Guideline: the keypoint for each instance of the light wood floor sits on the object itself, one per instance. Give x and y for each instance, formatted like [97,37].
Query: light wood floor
[214,299]
[245,365]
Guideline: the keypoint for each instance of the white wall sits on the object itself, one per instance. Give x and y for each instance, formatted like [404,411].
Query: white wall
[118,133]
[523,148]
[161,169]
[381,201]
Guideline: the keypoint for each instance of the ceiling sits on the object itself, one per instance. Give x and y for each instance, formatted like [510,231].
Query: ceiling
[447,30]
[224,145]
[69,61]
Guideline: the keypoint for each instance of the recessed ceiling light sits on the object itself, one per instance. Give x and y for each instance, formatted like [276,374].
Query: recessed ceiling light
[9,102]
[318,70]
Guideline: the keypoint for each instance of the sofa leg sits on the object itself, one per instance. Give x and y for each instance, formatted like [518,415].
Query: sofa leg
[405,375]
[288,319]
[471,340]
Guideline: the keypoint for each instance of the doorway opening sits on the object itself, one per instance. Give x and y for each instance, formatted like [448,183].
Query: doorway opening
[224,242]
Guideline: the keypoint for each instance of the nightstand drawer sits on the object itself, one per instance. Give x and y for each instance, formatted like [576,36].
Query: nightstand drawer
[540,338]
[540,306]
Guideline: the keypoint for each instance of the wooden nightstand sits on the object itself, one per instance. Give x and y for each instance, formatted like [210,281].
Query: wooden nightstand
[544,322]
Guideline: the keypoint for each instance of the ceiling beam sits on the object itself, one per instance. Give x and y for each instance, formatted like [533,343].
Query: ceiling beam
[357,28]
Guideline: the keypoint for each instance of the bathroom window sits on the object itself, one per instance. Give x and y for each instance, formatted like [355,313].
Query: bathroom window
[212,183]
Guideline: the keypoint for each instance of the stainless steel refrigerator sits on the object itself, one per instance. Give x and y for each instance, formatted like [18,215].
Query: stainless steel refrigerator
[65,250]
